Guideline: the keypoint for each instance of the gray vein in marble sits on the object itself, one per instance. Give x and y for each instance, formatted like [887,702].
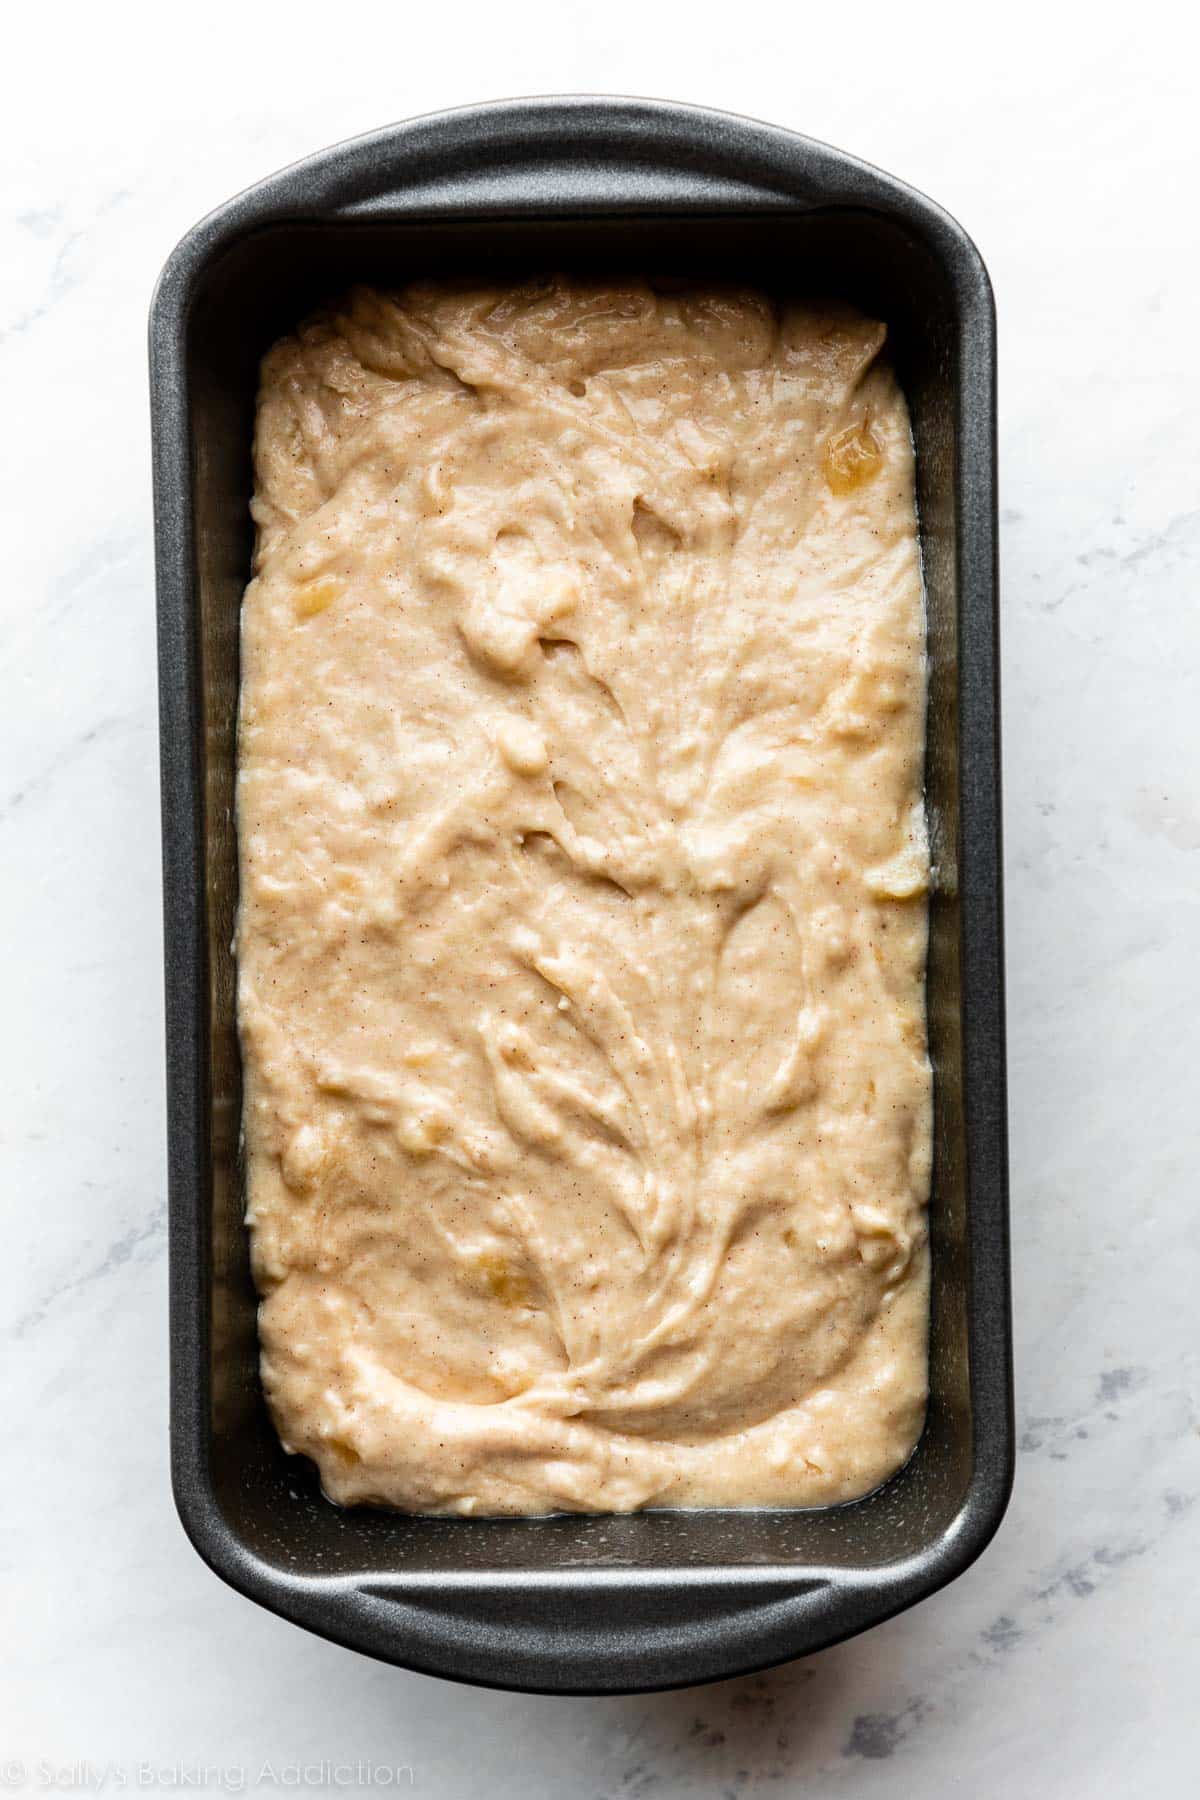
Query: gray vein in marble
[142,1243]
[112,563]
[727,1737]
[1178,539]
[60,281]
[41,222]
[63,276]
[69,754]
[1117,1384]
[1054,1433]
[879,1735]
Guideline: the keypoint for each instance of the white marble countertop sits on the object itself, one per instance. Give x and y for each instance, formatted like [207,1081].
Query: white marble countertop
[1067,1661]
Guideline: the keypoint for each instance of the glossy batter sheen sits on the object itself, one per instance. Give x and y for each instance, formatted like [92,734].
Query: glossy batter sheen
[582,928]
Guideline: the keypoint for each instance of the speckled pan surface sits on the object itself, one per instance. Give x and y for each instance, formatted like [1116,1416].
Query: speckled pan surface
[577,1604]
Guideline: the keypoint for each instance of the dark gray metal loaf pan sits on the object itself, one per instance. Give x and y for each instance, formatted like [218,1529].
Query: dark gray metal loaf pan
[576,1604]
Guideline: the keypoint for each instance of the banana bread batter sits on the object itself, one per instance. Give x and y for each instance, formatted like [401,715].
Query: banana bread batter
[582,931]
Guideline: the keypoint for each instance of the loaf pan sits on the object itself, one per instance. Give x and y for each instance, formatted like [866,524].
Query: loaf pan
[576,1604]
